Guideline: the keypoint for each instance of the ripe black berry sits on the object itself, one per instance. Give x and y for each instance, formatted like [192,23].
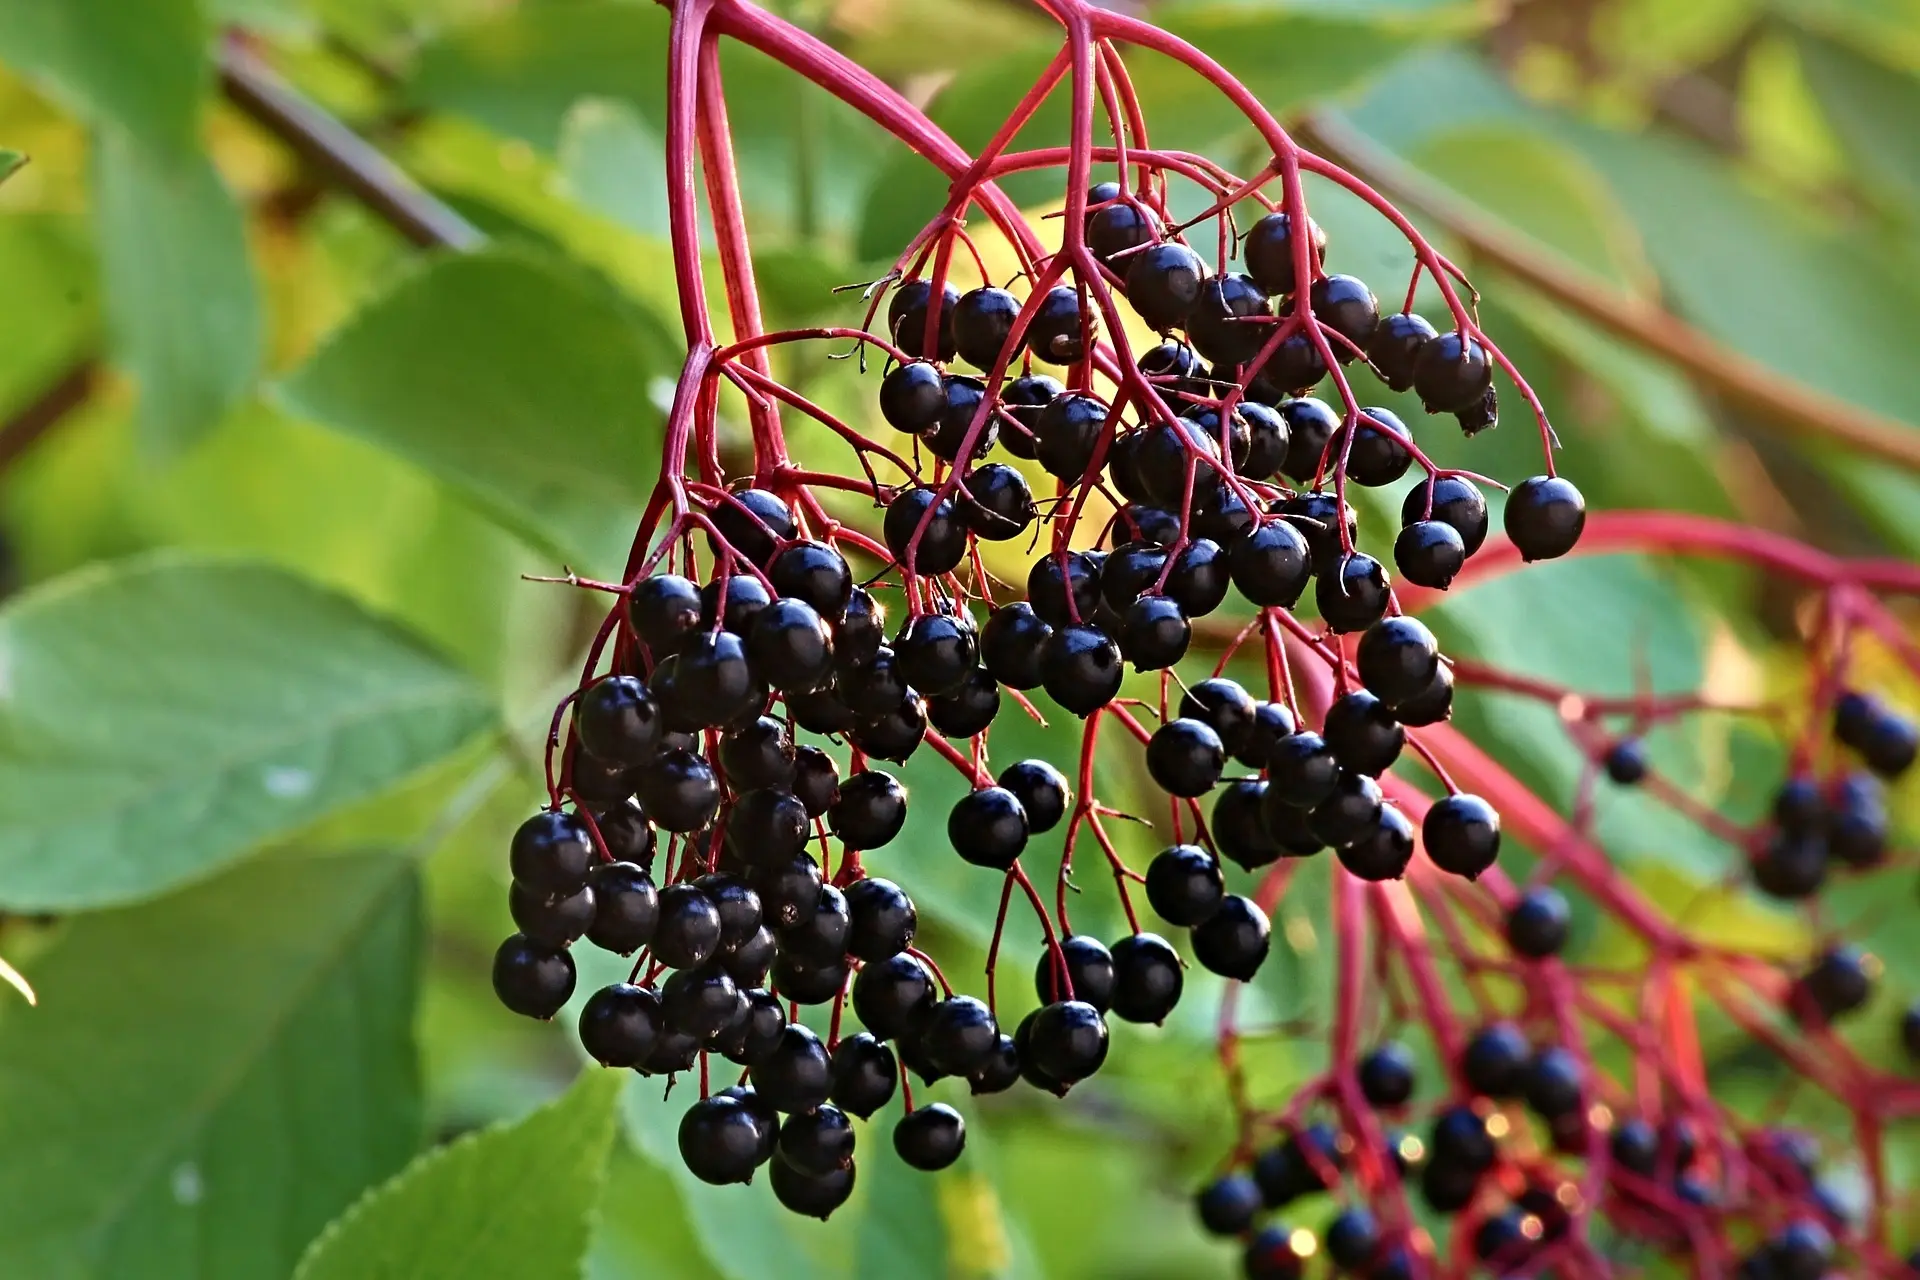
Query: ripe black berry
[1067,432]
[912,397]
[556,921]
[1147,978]
[982,322]
[1856,825]
[1461,834]
[1887,741]
[1318,517]
[1240,826]
[791,646]
[1229,1204]
[1302,770]
[1397,658]
[1000,1072]
[892,997]
[1362,732]
[957,1035]
[1839,981]
[809,1196]
[551,854]
[1061,331]
[1452,373]
[720,1141]
[1345,305]
[1626,762]
[618,720]
[1233,941]
[1460,1138]
[626,907]
[1219,323]
[1448,1188]
[1387,1075]
[766,827]
[1118,227]
[821,710]
[1268,252]
[679,791]
[1290,827]
[1352,594]
[1553,1082]
[997,504]
[733,602]
[1223,706]
[673,1052]
[755,1030]
[1544,517]
[737,904]
[532,978]
[815,573]
[930,1138]
[1184,884]
[759,755]
[859,631]
[1495,1059]
[748,960]
[1068,1041]
[1791,866]
[619,1024]
[1537,924]
[1394,350]
[1163,284]
[1272,563]
[1198,579]
[700,1001]
[1431,705]
[1429,553]
[870,810]
[822,937]
[1080,668]
[1308,1162]
[597,783]
[1275,1253]
[1185,758]
[1352,1238]
[1383,851]
[688,932]
[1053,578]
[1802,1250]
[789,891]
[1023,398]
[816,780]
[882,919]
[988,828]
[797,1075]
[626,833]
[864,1075]
[937,652]
[1011,645]
[907,320]
[1089,971]
[1177,372]
[1350,811]
[942,543]
[1041,790]
[1154,633]
[1455,501]
[663,611]
[817,1142]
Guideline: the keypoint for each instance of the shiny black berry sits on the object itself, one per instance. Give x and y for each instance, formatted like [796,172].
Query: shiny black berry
[1349,812]
[1080,668]
[797,1075]
[766,827]
[1185,757]
[551,854]
[997,504]
[1302,770]
[720,1141]
[1023,398]
[1199,577]
[882,919]
[1240,826]
[1537,924]
[816,780]
[1353,594]
[870,810]
[1268,251]
[754,522]
[816,573]
[1067,1041]
[1147,978]
[1452,373]
[1397,658]
[760,754]
[924,531]
[554,921]
[626,907]
[1544,517]
[663,611]
[864,1075]
[1318,517]
[1382,851]
[1062,330]
[619,1025]
[1118,227]
[532,978]
[912,397]
[931,1137]
[1041,790]
[1154,633]
[1838,982]
[982,322]
[1553,1082]
[688,930]
[1362,732]
[809,1196]
[1387,1075]
[892,997]
[1011,645]
[907,316]
[1089,972]
[1163,284]
[1184,884]
[1224,322]
[1229,1204]
[1429,554]
[1234,940]
[1394,349]
[988,828]
[1461,834]
[1272,564]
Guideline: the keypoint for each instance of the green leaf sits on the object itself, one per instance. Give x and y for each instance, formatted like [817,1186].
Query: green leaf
[161,717]
[210,1078]
[1865,102]
[526,383]
[140,64]
[514,1201]
[181,302]
[10,162]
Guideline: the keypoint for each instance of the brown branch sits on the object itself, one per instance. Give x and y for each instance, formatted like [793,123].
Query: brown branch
[1783,404]
[67,393]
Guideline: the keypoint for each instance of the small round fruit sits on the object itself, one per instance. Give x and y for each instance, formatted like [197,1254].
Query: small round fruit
[1537,924]
[982,323]
[619,1025]
[907,317]
[988,828]
[1452,373]
[1234,940]
[870,810]
[1544,517]
[1163,284]
[1147,978]
[1185,758]
[1394,350]
[555,921]
[1229,1204]
[1397,658]
[1068,1041]
[1268,251]
[797,1075]
[532,978]
[864,1075]
[1353,594]
[1461,834]
[552,853]
[892,997]
[1429,553]
[1387,1075]
[924,531]
[1042,791]
[1089,971]
[808,1196]
[930,1138]
[912,397]
[720,1141]
[883,919]
[1080,668]
[1061,331]
[1185,885]
[1271,563]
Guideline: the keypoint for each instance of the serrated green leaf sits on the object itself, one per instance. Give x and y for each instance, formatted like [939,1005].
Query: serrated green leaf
[211,1077]
[515,1201]
[182,307]
[161,717]
[140,64]
[524,382]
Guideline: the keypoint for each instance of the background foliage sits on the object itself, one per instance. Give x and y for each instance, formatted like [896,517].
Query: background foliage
[272,688]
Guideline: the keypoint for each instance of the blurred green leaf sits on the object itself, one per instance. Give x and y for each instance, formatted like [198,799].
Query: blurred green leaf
[1887,29]
[54,318]
[526,383]
[514,1201]
[164,716]
[139,64]
[641,1228]
[211,1077]
[170,230]
[1868,104]
[610,161]
[10,162]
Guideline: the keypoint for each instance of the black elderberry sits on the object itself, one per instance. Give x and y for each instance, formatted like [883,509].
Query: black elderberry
[1791,866]
[1185,758]
[1239,824]
[982,322]
[1302,771]
[1229,1204]
[1268,251]
[789,891]
[864,1075]
[754,1031]
[1495,1059]
[1011,645]
[1397,658]
[1553,1082]
[1856,825]
[870,810]
[968,709]
[1271,722]
[1387,1075]
[737,905]
[618,720]
[1147,978]
[1801,1250]
[700,1001]
[1349,812]
[1431,705]
[552,853]
[1318,517]
[619,1024]
[817,1142]
[912,397]
[1041,790]
[1089,968]
[911,1050]
[1353,593]
[1504,1242]
[1066,434]
[907,316]
[930,1138]
[1537,924]
[1269,440]
[720,1141]
[1295,367]
[942,542]
[809,979]
[1000,1072]
[1448,1187]
[532,978]
[859,631]
[760,754]
[1177,372]
[1276,1253]
[1221,324]
[1154,633]
[1068,1040]
[1023,398]
[1352,1238]
[754,522]
[1887,741]
[816,780]
[797,1074]
[1080,668]
[1383,851]
[1429,553]
[1130,571]
[988,828]
[877,687]
[1626,762]
[625,832]
[1199,578]
[1233,941]
[882,919]
[766,827]
[892,997]
[1395,347]
[821,710]
[1118,227]
[1064,588]
[1290,828]
[1544,517]
[663,611]
[1184,884]
[1163,284]
[688,929]
[596,783]
[1461,834]
[1452,373]
[555,922]
[1272,563]
[1126,465]
[1233,441]
[1345,305]
[809,1196]
[1460,1138]
[816,573]
[821,937]
[674,1051]
[626,907]
[1311,427]
[1061,331]
[997,504]
[1838,982]
[1635,1146]
[791,647]
[1222,705]
[1362,732]
[937,652]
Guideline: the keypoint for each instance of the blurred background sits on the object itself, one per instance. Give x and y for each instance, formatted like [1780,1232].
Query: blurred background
[272,470]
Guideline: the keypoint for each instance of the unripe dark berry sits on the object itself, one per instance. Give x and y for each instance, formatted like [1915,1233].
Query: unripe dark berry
[988,828]
[532,978]
[1461,834]
[1234,940]
[930,1138]
[1185,885]
[1537,924]
[1544,517]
